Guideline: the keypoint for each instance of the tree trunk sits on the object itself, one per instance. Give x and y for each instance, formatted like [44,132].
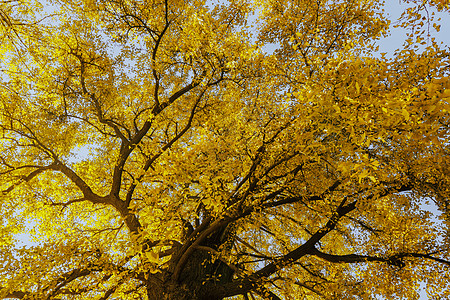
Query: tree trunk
[199,277]
[197,281]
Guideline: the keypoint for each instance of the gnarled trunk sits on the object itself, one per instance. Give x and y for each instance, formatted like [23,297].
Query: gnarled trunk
[200,277]
[197,280]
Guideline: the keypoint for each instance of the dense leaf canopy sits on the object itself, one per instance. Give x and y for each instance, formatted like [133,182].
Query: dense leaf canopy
[191,149]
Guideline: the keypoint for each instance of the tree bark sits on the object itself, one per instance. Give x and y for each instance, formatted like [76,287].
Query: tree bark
[201,276]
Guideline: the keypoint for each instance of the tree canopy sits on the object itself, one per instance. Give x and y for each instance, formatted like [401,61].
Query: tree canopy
[241,149]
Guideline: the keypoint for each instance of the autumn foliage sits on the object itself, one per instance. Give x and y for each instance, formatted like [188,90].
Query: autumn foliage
[175,149]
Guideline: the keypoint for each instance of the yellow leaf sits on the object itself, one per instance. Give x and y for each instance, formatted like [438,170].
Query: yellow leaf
[405,114]
[152,256]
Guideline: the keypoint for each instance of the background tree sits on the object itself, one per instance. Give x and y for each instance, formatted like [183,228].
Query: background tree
[160,149]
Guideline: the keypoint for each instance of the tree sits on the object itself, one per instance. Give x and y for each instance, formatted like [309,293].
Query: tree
[173,149]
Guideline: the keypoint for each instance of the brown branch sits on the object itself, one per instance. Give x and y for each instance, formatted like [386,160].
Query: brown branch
[167,146]
[154,52]
[74,292]
[88,194]
[256,161]
[257,279]
[266,294]
[65,204]
[12,168]
[248,283]
[31,135]
[175,245]
[131,220]
[178,94]
[97,106]
[312,289]
[111,290]
[395,260]
[14,294]
[308,245]
[348,258]
[127,148]
[246,244]
[30,176]
[290,200]
[68,277]
[186,250]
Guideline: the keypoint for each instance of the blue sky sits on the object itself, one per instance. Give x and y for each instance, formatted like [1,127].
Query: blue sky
[394,10]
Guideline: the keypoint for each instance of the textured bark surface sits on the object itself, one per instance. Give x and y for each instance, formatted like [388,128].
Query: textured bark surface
[201,277]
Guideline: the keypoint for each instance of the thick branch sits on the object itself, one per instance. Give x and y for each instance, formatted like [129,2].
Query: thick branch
[290,200]
[196,239]
[308,245]
[126,149]
[167,146]
[130,219]
[155,51]
[256,279]
[395,260]
[192,241]
[14,294]
[27,178]
[341,211]
[68,277]
[81,184]
[248,283]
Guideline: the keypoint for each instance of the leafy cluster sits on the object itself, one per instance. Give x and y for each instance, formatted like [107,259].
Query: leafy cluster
[191,149]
